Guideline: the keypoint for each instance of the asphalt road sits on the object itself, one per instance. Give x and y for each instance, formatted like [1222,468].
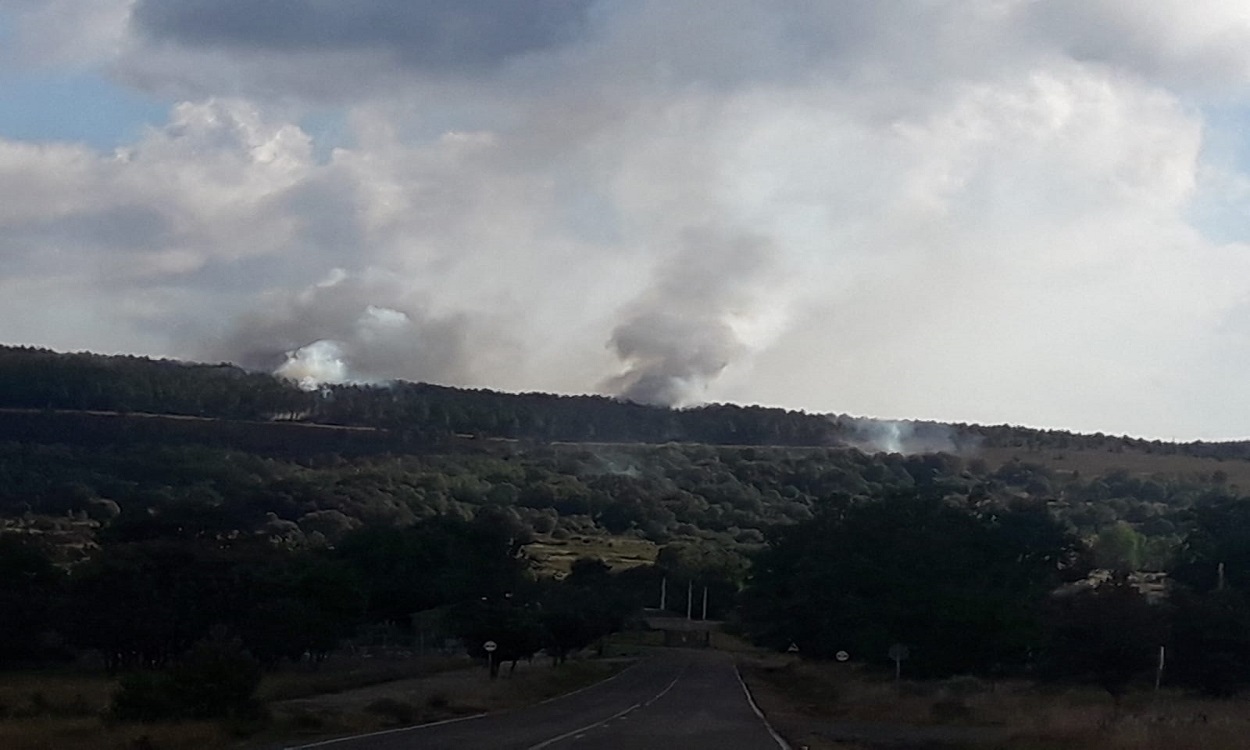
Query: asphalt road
[677,699]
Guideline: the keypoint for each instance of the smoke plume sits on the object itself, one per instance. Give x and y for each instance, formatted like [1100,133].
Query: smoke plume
[906,437]
[681,334]
[350,329]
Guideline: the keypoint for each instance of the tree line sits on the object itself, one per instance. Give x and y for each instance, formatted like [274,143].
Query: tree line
[163,608]
[1004,591]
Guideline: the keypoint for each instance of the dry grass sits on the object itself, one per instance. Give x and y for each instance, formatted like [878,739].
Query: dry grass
[53,694]
[64,711]
[1022,716]
[341,673]
[557,555]
[92,734]
[1091,463]
[435,697]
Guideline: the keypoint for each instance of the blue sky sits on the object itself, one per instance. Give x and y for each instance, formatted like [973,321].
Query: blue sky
[74,106]
[977,211]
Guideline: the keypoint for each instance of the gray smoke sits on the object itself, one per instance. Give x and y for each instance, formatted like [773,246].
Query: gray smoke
[350,329]
[680,335]
[906,437]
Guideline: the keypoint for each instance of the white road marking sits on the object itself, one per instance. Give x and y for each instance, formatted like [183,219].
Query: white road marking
[325,743]
[781,743]
[581,731]
[591,685]
[418,727]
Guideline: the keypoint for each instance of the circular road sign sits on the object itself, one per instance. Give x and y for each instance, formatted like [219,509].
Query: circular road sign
[841,656]
[489,646]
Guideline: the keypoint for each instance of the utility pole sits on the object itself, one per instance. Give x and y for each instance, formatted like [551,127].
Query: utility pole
[705,602]
[690,600]
[664,593]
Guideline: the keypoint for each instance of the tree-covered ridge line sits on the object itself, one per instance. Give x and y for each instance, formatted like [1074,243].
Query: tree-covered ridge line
[420,412]
[46,380]
[721,497]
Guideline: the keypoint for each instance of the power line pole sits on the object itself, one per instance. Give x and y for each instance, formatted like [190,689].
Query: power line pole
[664,593]
[689,600]
[705,602]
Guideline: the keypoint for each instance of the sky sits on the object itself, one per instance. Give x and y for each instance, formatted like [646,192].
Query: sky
[1031,212]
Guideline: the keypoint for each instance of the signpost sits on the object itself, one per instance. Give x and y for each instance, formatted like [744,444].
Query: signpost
[489,647]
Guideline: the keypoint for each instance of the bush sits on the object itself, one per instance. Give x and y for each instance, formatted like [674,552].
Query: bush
[437,701]
[144,696]
[215,680]
[397,711]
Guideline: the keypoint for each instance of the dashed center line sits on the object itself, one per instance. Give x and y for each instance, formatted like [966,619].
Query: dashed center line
[580,732]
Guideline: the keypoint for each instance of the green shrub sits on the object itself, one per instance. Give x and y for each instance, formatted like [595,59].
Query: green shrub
[215,680]
[397,711]
[144,696]
[437,701]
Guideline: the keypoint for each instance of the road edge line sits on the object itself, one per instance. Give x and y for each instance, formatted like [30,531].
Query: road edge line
[584,688]
[441,722]
[587,728]
[380,733]
[781,742]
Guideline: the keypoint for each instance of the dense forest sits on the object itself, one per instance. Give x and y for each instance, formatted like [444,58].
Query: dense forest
[40,379]
[235,517]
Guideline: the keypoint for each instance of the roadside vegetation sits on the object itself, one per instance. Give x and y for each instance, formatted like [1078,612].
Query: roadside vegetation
[194,548]
[826,705]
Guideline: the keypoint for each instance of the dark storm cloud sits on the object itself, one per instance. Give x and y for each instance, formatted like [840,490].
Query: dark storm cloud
[436,34]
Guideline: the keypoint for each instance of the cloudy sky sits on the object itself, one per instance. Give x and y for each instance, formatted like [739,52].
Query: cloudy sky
[1025,211]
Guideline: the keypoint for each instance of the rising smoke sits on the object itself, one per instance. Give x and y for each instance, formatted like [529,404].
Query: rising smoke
[351,329]
[906,437]
[680,335]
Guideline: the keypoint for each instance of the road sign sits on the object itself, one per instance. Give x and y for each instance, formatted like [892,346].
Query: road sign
[794,648]
[841,656]
[489,646]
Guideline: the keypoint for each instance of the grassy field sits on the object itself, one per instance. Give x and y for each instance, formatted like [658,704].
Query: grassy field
[556,556]
[813,702]
[1091,463]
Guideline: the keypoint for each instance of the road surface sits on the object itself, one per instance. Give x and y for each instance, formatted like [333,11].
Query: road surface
[692,700]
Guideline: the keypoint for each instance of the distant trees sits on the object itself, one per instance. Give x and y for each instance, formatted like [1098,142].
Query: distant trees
[42,379]
[155,533]
[1210,641]
[1108,635]
[215,679]
[962,590]
[30,592]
